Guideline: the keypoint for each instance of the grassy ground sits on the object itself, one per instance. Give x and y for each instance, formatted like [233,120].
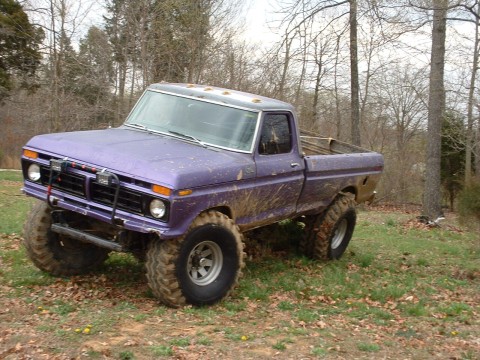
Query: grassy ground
[401,291]
[13,204]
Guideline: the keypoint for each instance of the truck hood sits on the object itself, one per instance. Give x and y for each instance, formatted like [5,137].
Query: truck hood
[156,158]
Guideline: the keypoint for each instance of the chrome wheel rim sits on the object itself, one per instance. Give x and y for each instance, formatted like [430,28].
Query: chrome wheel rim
[205,263]
[339,234]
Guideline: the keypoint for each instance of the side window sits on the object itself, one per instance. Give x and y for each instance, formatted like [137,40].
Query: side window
[276,135]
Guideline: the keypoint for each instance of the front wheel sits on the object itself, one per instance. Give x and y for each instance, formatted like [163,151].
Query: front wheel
[200,268]
[56,254]
[328,235]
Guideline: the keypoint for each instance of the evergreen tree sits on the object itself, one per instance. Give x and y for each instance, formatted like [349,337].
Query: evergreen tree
[95,67]
[181,28]
[453,156]
[95,75]
[19,43]
[68,66]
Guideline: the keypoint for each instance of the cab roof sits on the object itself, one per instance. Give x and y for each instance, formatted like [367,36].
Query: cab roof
[225,96]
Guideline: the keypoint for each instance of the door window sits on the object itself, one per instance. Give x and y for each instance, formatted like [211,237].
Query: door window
[276,135]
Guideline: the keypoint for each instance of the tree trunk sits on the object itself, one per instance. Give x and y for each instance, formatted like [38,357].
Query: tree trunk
[121,93]
[355,102]
[317,92]
[301,78]
[338,113]
[477,153]
[286,63]
[55,117]
[470,132]
[436,108]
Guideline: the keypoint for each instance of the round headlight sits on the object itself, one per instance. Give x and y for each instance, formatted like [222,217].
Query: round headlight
[34,172]
[157,208]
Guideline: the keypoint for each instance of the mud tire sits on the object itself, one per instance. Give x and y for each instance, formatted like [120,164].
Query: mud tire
[57,254]
[199,268]
[327,235]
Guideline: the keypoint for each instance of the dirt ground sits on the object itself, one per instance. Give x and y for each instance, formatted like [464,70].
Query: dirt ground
[28,331]
[111,315]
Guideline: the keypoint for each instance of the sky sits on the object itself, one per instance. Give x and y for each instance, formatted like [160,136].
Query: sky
[257,26]
[257,14]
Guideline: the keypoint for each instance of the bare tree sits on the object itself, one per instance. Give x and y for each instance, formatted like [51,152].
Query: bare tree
[336,87]
[477,150]
[324,47]
[436,110]
[354,89]
[300,11]
[404,91]
[470,138]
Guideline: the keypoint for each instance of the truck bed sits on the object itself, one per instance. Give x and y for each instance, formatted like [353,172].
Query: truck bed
[314,144]
[333,166]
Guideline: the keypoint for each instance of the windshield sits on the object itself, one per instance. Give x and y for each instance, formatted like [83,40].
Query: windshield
[204,122]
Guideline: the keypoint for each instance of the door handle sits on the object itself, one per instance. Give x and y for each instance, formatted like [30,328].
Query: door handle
[294,164]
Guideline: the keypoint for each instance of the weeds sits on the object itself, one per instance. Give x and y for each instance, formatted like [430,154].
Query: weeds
[180,342]
[126,355]
[280,345]
[161,350]
[368,347]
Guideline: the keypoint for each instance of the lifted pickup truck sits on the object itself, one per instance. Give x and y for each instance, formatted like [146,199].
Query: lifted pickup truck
[190,171]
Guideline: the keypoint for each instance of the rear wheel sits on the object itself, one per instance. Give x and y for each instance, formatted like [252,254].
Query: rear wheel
[328,235]
[56,254]
[200,268]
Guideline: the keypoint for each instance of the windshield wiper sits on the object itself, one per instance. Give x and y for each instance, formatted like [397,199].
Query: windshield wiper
[186,136]
[138,126]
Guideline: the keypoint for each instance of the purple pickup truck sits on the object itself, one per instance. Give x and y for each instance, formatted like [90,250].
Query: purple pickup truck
[190,170]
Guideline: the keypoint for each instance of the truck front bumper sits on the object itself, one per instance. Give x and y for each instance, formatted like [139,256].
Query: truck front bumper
[123,219]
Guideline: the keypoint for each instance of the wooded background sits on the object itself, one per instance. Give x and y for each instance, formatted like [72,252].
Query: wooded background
[392,76]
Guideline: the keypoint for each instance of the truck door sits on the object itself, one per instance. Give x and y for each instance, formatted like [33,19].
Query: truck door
[280,169]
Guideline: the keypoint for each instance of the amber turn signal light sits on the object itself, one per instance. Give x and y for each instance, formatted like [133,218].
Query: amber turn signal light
[30,154]
[162,190]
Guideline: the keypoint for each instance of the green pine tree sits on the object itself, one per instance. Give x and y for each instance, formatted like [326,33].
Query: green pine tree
[19,48]
[453,156]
